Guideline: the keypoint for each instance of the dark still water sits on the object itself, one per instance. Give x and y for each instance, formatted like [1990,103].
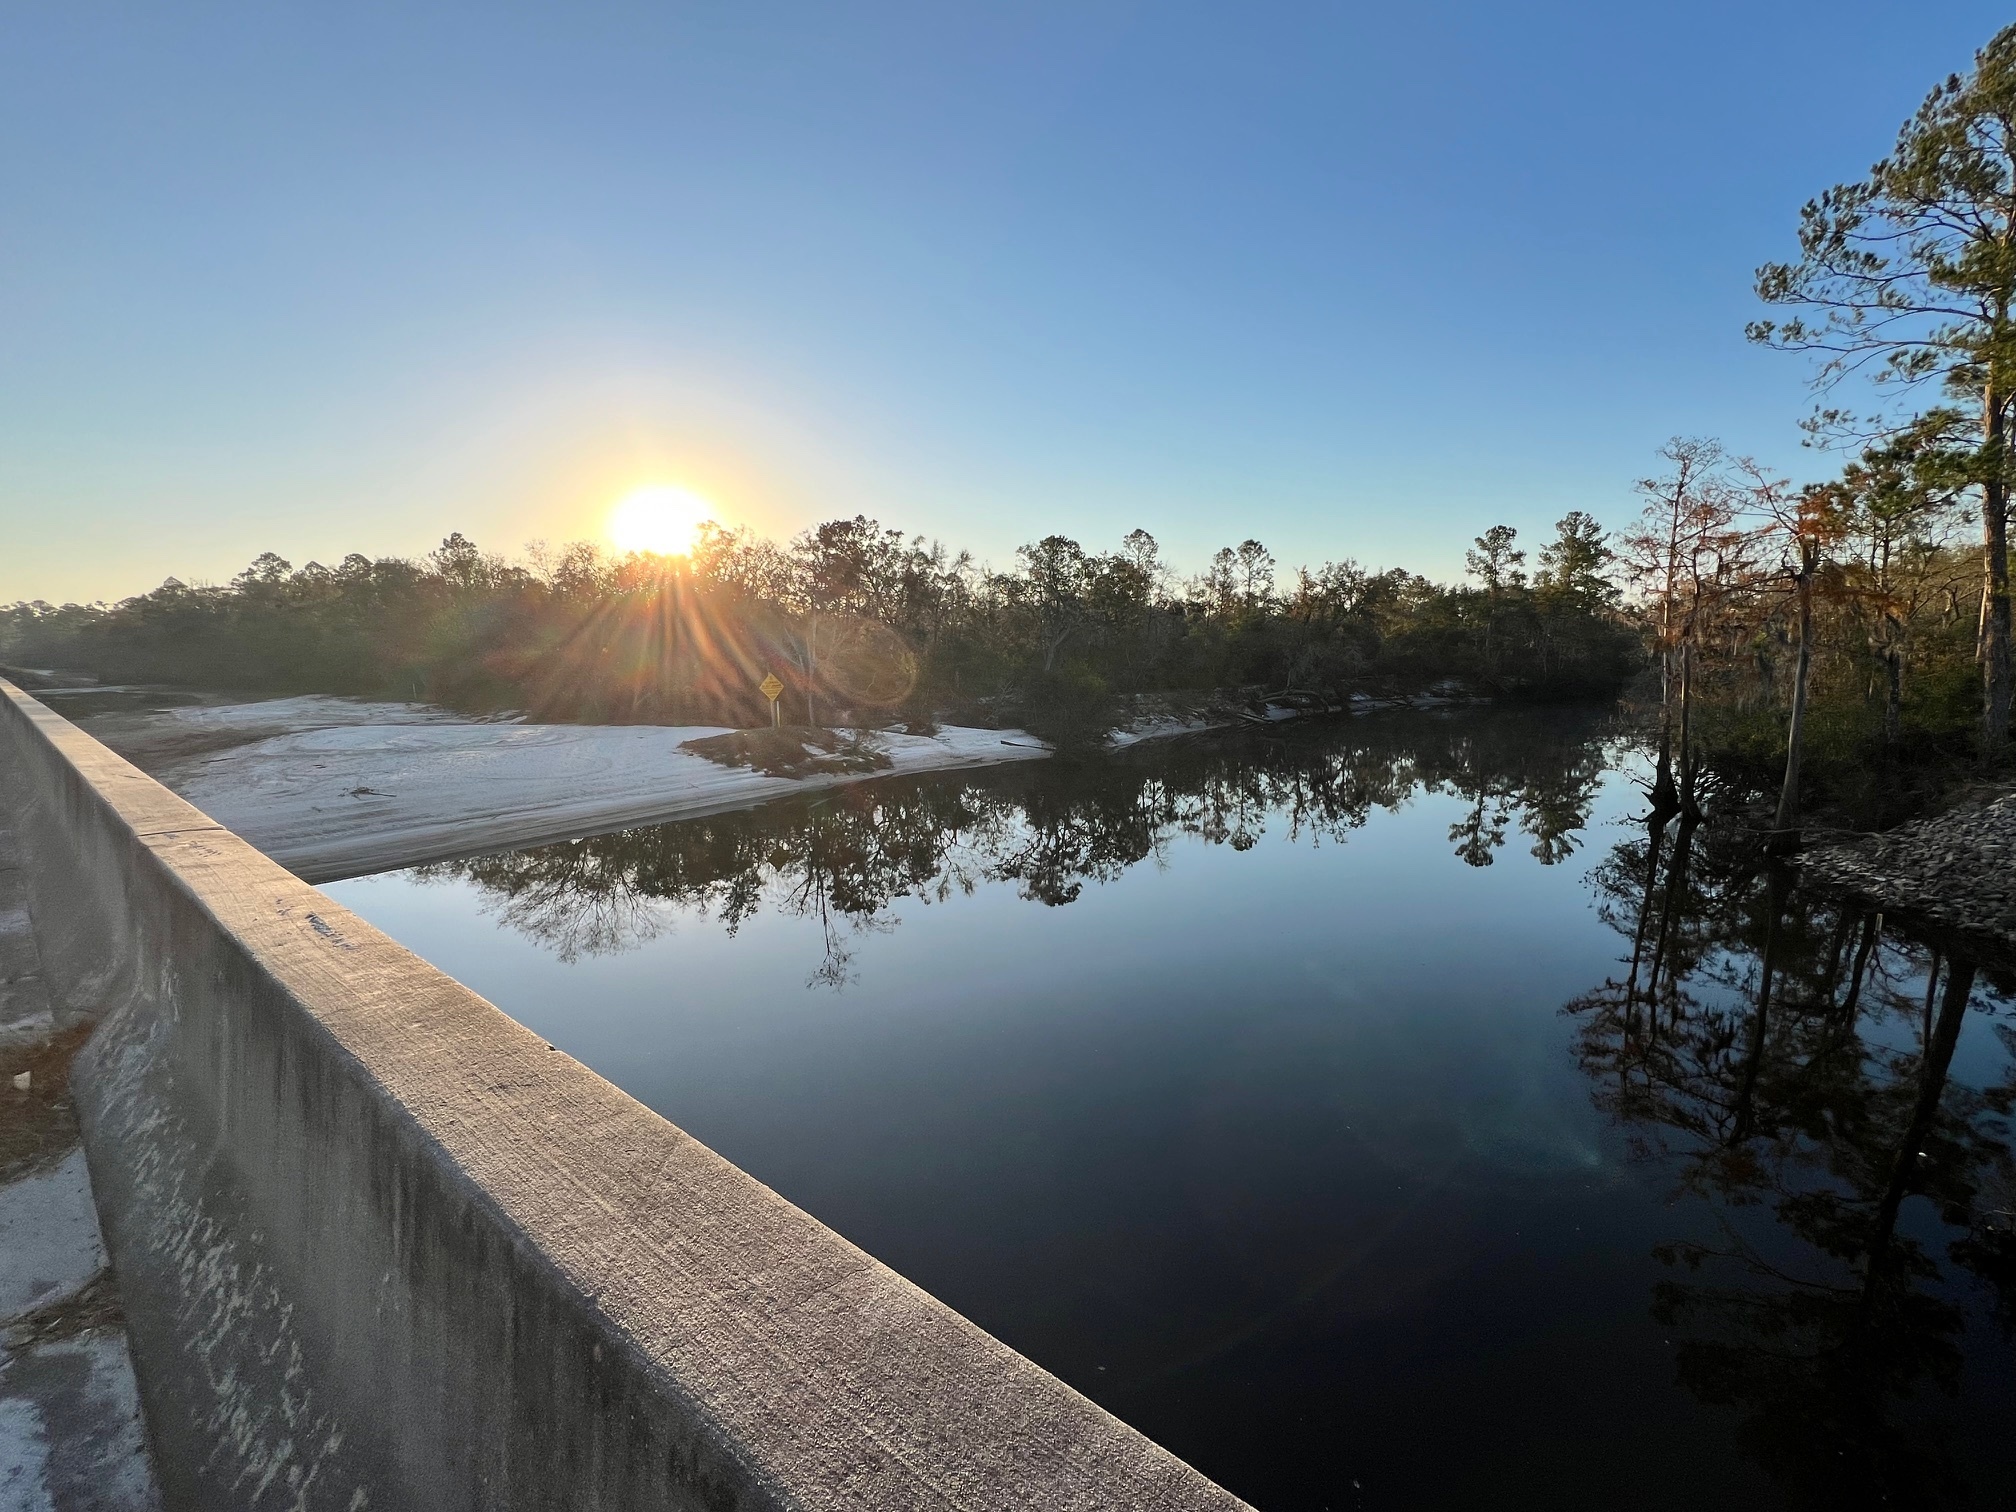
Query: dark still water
[1297,1099]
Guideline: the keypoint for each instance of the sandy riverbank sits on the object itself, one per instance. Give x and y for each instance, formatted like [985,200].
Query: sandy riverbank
[335,788]
[338,787]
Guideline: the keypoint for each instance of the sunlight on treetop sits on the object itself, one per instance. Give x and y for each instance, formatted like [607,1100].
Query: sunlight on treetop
[660,519]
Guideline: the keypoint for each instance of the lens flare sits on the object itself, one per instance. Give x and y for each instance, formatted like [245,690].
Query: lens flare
[661,520]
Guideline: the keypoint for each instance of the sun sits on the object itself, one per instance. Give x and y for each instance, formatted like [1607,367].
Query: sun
[660,519]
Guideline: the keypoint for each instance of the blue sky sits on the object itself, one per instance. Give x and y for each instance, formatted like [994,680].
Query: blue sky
[1355,279]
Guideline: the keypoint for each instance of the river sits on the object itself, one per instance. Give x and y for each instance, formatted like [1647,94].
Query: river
[1297,1098]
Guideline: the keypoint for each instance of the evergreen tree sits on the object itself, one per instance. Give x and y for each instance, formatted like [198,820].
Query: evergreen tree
[1910,277]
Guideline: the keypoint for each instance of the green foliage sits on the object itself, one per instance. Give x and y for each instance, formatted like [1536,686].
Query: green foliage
[1910,273]
[1852,770]
[860,623]
[1072,707]
[1573,564]
[1495,562]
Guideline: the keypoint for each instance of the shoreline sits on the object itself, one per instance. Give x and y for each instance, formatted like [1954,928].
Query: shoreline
[1948,878]
[381,788]
[333,788]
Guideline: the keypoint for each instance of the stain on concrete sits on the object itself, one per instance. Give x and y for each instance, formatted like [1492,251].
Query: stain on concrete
[71,1434]
[72,1438]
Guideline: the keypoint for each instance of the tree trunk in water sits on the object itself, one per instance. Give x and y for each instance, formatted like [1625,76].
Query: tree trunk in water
[1995,670]
[1785,829]
[1938,1059]
[1655,829]
[1842,1014]
[1844,926]
[1676,888]
[1688,766]
[1776,886]
[1871,928]
[1665,797]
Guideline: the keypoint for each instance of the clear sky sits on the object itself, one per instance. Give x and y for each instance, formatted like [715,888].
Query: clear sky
[1357,279]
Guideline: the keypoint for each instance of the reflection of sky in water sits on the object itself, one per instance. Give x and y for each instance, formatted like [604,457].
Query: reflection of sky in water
[1279,1152]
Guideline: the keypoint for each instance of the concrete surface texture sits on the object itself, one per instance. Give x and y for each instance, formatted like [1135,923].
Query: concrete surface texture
[24,997]
[71,1434]
[382,1247]
[71,1437]
[49,1244]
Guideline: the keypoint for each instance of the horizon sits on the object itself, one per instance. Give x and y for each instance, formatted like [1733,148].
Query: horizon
[1182,575]
[1097,755]
[310,285]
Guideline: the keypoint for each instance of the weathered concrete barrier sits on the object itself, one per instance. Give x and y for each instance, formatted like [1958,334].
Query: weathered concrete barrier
[383,1248]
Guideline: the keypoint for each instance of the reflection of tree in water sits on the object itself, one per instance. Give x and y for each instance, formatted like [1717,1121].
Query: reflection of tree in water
[1781,1057]
[846,855]
[1550,791]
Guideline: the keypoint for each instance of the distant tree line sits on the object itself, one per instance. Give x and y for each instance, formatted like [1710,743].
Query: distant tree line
[1851,636]
[858,621]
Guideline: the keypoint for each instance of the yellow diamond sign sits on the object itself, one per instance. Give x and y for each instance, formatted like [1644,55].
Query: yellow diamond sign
[771,687]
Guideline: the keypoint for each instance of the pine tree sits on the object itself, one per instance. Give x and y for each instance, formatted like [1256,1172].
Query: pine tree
[1910,275]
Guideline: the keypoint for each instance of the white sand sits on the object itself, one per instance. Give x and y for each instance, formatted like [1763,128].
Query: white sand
[384,786]
[313,711]
[337,787]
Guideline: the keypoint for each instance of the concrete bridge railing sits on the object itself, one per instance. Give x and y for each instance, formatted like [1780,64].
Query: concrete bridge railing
[381,1247]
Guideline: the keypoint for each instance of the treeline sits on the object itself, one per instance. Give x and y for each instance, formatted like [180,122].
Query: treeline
[1850,623]
[859,622]
[1820,641]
